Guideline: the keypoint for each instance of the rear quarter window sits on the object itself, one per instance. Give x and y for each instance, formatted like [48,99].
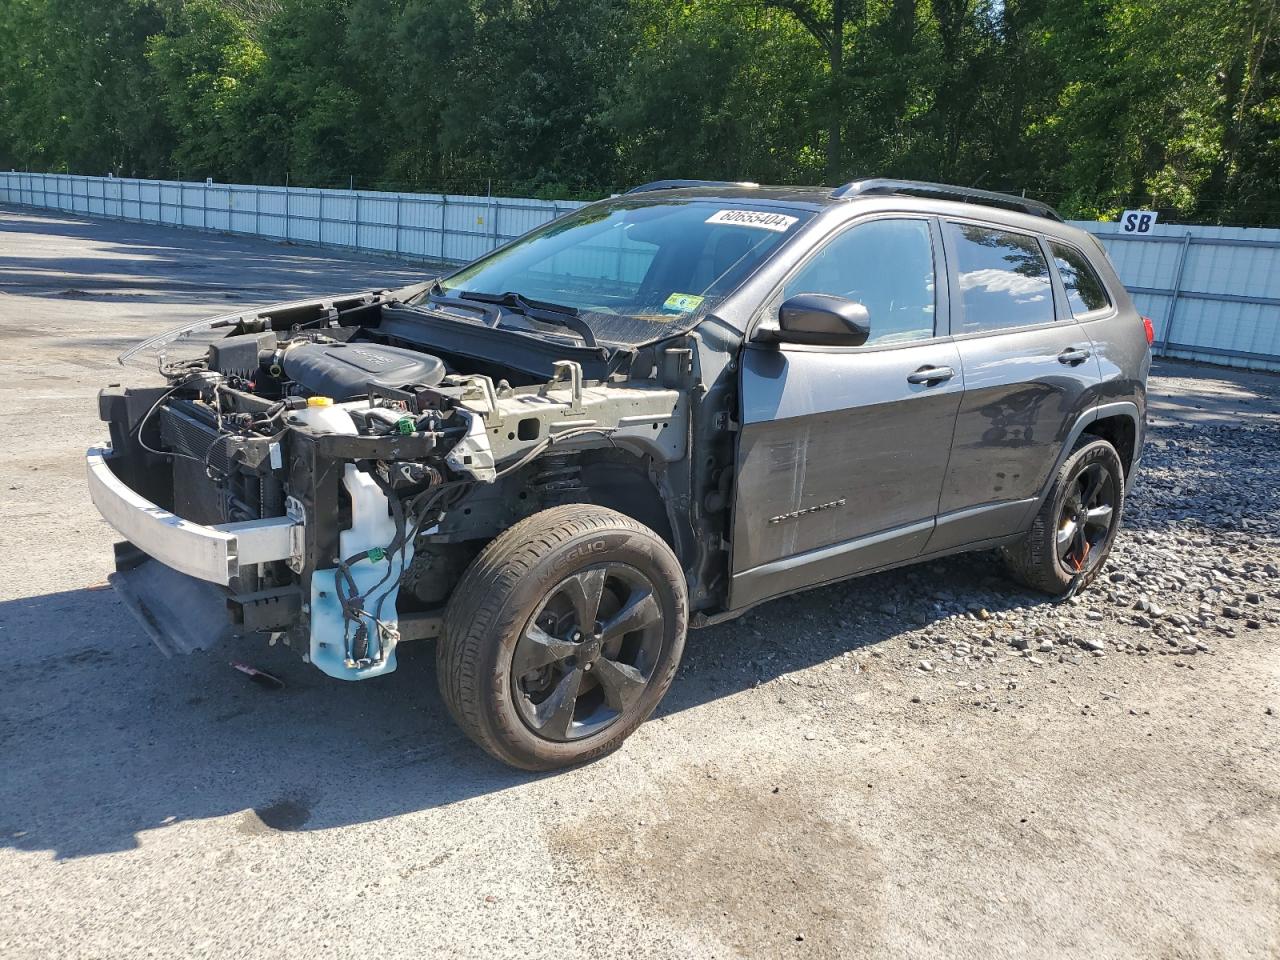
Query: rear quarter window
[1085,292]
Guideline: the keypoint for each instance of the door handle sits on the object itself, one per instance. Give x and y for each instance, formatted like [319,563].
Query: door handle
[931,375]
[1073,355]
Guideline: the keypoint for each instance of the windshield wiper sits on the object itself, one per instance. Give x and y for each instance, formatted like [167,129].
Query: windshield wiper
[492,315]
[555,314]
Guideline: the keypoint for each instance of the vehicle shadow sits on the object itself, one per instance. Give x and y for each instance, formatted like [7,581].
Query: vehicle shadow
[855,616]
[104,739]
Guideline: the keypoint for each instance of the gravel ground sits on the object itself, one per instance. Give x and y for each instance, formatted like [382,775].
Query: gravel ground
[925,763]
[1196,566]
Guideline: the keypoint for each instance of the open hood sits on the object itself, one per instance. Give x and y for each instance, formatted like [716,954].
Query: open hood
[192,340]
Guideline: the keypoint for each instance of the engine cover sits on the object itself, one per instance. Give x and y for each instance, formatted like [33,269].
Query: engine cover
[344,371]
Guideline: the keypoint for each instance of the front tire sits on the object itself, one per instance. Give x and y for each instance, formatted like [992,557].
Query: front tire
[562,636]
[1074,529]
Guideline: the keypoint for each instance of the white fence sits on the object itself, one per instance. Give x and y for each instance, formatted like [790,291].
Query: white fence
[423,226]
[1213,292]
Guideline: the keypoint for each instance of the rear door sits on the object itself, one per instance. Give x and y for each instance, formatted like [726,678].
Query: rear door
[1029,371]
[843,449]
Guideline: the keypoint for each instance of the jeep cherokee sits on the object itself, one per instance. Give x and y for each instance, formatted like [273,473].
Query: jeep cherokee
[652,413]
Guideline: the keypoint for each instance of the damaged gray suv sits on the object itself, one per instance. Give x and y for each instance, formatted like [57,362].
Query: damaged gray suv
[653,413]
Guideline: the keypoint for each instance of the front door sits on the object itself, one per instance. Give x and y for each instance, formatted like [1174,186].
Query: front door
[843,449]
[1029,372]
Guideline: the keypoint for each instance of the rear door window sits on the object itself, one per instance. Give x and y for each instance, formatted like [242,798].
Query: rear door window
[1085,291]
[1003,279]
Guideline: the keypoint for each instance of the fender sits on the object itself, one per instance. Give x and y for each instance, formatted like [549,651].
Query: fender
[1119,408]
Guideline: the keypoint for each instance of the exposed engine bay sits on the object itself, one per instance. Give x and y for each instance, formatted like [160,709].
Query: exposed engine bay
[380,442]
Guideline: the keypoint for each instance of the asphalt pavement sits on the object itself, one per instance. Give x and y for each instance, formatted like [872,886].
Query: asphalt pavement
[807,790]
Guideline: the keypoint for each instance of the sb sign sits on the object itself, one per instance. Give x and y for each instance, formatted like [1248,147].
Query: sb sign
[1138,221]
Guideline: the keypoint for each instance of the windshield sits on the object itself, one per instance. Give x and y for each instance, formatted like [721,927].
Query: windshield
[635,269]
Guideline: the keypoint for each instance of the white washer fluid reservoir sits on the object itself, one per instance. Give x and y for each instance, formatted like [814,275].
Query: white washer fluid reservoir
[333,636]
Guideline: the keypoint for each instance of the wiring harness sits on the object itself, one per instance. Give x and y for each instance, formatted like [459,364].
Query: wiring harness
[410,516]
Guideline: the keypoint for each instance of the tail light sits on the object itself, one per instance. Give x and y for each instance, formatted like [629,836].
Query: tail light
[1150,329]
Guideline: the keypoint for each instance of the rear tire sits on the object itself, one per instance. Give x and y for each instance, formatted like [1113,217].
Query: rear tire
[1068,543]
[562,636]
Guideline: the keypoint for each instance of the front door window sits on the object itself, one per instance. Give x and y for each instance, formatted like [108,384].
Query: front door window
[885,265]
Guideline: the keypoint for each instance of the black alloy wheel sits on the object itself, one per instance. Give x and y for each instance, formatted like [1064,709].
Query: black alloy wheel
[562,636]
[587,655]
[1076,524]
[1084,523]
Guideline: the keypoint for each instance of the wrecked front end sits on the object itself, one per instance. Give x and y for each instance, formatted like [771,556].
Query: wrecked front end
[323,472]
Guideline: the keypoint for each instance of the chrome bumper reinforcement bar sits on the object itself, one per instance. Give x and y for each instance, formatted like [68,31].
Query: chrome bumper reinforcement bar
[213,553]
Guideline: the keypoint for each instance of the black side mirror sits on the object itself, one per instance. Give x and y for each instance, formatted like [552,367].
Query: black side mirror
[820,318]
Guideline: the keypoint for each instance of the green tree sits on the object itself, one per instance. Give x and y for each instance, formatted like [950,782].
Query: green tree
[718,90]
[206,62]
[1091,104]
[77,90]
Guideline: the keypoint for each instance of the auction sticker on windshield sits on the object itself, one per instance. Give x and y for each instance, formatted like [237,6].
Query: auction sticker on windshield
[777,222]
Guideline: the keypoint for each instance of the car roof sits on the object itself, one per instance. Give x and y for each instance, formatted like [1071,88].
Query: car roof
[817,198]
[809,198]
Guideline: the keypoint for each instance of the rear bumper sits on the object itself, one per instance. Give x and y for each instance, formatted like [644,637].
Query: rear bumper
[211,553]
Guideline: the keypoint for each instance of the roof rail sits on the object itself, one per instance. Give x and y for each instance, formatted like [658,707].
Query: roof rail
[677,184]
[918,188]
